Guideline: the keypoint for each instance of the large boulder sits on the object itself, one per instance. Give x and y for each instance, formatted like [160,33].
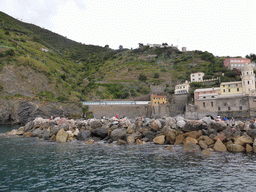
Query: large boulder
[130,129]
[148,134]
[235,148]
[159,139]
[194,126]
[146,122]
[118,134]
[62,121]
[206,139]
[95,124]
[231,132]
[170,122]
[170,134]
[100,132]
[191,147]
[218,125]
[155,125]
[202,144]
[241,126]
[84,135]
[207,120]
[248,148]
[193,134]
[181,123]
[54,130]
[252,133]
[179,139]
[28,126]
[37,133]
[243,140]
[46,135]
[130,139]
[124,123]
[190,140]
[219,146]
[62,135]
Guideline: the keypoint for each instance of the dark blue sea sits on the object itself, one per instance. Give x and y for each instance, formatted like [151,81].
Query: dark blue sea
[30,164]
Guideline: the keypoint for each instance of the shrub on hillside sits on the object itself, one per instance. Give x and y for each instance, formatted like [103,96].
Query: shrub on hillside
[1,88]
[9,52]
[142,77]
[156,75]
[7,33]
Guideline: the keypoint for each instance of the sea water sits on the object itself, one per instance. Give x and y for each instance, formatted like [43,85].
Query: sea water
[30,164]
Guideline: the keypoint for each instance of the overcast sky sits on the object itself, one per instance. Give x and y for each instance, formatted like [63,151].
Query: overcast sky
[222,27]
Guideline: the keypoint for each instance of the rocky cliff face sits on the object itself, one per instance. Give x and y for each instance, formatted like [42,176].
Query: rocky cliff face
[22,111]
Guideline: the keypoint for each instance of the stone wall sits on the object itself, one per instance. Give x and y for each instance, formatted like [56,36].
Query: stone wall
[130,111]
[178,104]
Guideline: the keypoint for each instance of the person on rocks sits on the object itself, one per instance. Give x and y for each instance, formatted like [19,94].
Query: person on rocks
[51,118]
[116,116]
[225,118]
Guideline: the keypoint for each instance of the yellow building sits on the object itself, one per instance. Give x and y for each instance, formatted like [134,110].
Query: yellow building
[158,99]
[234,87]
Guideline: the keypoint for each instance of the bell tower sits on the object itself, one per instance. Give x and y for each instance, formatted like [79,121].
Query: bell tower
[248,80]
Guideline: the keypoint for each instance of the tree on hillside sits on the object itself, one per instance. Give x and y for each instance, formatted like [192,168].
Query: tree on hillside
[251,56]
[142,77]
[120,47]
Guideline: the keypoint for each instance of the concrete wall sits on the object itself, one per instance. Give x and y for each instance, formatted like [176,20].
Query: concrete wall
[178,104]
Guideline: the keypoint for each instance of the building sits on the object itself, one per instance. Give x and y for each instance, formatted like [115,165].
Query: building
[237,99]
[182,88]
[199,92]
[228,88]
[236,63]
[158,99]
[196,77]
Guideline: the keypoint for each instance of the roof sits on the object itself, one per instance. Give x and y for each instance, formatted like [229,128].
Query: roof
[232,82]
[197,72]
[207,89]
[158,96]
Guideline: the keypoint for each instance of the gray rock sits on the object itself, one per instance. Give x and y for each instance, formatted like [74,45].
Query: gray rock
[28,126]
[194,126]
[84,135]
[207,120]
[95,124]
[179,118]
[64,126]
[155,125]
[181,123]
[54,130]
[100,132]
[118,134]
[146,122]
[37,133]
[46,135]
[149,135]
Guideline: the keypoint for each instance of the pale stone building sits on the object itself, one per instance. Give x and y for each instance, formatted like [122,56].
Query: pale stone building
[182,88]
[196,77]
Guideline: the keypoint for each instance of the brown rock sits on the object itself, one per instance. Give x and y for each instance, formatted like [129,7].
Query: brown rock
[62,135]
[53,138]
[248,148]
[206,139]
[191,147]
[169,148]
[235,148]
[206,152]
[202,144]
[193,134]
[90,141]
[179,140]
[155,125]
[28,134]
[243,140]
[170,135]
[194,126]
[121,142]
[220,136]
[139,142]
[190,140]
[219,146]
[130,139]
[130,129]
[159,139]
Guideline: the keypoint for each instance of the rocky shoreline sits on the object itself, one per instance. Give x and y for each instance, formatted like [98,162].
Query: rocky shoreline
[205,135]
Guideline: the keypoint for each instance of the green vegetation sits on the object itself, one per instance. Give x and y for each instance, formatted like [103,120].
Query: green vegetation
[75,71]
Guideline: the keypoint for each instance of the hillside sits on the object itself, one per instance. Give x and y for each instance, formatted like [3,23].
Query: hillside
[66,70]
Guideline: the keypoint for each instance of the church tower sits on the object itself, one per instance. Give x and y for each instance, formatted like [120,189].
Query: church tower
[248,80]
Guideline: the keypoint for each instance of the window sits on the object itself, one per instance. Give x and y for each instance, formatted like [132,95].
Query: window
[212,96]
[248,82]
[193,79]
[155,102]
[224,90]
[199,74]
[193,75]
[223,85]
[229,108]
[199,78]
[212,104]
[203,104]
[240,107]
[204,97]
[237,89]
[228,90]
[219,108]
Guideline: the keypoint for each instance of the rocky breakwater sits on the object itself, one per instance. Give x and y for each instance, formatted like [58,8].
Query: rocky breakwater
[204,135]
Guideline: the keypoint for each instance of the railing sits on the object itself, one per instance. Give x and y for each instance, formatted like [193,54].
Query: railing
[116,102]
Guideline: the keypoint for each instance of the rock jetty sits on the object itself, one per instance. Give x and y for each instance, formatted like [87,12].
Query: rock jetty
[204,135]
